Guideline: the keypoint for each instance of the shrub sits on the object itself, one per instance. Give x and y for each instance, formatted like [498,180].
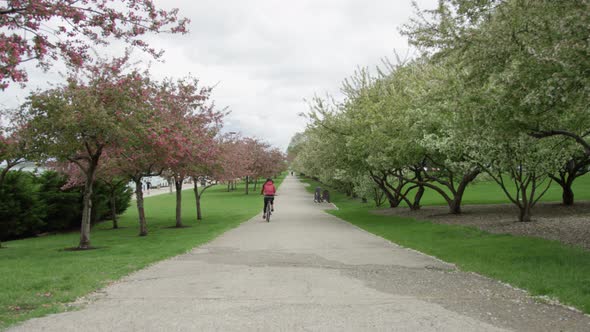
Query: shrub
[102,199]
[64,207]
[31,204]
[22,212]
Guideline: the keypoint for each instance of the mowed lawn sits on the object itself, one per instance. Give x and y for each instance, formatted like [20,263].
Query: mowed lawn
[38,277]
[484,191]
[540,266]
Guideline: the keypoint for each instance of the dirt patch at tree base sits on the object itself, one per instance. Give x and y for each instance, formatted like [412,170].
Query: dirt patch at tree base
[552,221]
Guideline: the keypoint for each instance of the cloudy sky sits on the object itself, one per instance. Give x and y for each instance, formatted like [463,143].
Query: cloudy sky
[267,56]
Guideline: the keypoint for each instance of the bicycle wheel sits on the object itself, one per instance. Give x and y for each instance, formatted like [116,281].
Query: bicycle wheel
[267,213]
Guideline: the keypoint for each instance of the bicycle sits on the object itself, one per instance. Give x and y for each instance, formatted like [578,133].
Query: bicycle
[267,213]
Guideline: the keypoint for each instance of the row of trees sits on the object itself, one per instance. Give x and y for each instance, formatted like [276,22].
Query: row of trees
[114,125]
[501,89]
[111,122]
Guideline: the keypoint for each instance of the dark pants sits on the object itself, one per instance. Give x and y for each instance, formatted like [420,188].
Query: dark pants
[268,199]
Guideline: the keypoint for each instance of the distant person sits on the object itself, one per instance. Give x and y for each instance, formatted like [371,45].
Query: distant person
[326,196]
[268,190]
[317,196]
[149,186]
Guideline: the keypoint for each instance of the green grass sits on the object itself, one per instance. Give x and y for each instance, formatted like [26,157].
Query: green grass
[540,266]
[38,277]
[488,192]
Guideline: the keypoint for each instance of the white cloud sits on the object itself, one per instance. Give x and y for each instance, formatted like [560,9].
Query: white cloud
[269,55]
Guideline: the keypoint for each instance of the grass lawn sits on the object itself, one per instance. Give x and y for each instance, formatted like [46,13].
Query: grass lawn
[38,277]
[489,192]
[540,266]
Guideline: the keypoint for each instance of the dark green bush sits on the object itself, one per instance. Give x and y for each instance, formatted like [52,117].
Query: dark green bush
[64,207]
[22,212]
[31,204]
[123,195]
[102,199]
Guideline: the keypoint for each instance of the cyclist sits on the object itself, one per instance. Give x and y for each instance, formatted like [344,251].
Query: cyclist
[268,190]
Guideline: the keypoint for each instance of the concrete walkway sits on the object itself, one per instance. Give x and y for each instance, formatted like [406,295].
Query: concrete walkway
[307,271]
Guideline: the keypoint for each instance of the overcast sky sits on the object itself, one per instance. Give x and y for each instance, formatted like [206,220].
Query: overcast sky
[267,56]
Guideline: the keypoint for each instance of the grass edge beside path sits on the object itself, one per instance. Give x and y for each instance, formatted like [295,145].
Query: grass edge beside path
[541,267]
[38,277]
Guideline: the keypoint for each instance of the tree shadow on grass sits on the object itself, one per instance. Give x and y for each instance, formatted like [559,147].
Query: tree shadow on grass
[175,227]
[114,229]
[82,249]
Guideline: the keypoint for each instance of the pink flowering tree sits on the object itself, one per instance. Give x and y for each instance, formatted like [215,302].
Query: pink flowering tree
[107,172]
[45,30]
[252,149]
[260,162]
[206,170]
[268,162]
[233,160]
[143,150]
[274,162]
[77,122]
[135,162]
[192,123]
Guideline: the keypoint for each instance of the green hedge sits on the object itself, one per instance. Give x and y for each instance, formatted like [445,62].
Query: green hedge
[31,204]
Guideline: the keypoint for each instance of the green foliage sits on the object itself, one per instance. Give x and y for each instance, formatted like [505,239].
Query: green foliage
[63,207]
[31,204]
[123,195]
[101,200]
[496,82]
[21,209]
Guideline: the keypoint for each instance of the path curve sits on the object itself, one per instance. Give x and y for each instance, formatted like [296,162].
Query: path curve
[307,270]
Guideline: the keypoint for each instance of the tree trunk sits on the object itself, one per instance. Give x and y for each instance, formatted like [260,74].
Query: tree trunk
[198,202]
[228,184]
[199,215]
[392,199]
[568,193]
[178,184]
[378,197]
[417,198]
[140,211]
[87,209]
[255,184]
[114,210]
[247,182]
[525,213]
[455,204]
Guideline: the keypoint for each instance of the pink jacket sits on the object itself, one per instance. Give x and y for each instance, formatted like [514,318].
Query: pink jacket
[268,189]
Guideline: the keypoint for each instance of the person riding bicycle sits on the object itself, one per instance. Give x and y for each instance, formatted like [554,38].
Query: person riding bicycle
[268,190]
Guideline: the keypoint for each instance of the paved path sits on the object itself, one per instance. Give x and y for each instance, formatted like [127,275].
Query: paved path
[309,271]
